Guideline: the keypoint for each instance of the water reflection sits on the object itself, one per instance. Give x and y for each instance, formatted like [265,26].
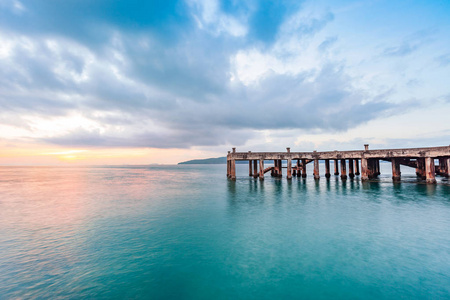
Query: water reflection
[278,190]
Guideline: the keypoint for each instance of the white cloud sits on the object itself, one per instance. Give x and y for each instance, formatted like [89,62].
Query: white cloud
[209,17]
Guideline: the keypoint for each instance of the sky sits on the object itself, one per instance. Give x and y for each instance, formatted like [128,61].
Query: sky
[144,82]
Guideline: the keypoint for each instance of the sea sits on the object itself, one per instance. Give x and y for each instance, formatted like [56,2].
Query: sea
[187,232]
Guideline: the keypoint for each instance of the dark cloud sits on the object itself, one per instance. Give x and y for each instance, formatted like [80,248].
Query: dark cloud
[86,20]
[181,138]
[134,83]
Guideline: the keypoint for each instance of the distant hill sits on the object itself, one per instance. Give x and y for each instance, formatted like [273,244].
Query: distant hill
[205,161]
[209,161]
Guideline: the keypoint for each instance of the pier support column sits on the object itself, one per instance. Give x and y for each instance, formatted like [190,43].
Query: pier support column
[289,165]
[430,170]
[395,169]
[289,169]
[316,169]
[255,169]
[420,170]
[280,168]
[336,167]
[275,168]
[250,173]
[261,169]
[303,168]
[351,173]
[357,167]
[233,169]
[377,165]
[447,167]
[443,166]
[372,168]
[299,171]
[364,169]
[327,168]
[343,170]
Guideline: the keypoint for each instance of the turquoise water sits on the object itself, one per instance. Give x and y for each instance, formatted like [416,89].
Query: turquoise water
[186,232]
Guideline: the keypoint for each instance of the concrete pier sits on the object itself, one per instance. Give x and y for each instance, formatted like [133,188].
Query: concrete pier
[422,159]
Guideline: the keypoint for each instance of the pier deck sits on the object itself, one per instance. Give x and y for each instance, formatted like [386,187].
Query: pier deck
[423,159]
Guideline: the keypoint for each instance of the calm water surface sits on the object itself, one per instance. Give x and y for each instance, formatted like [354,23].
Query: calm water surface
[186,232]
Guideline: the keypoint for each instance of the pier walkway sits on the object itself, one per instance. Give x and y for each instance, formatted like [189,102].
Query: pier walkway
[368,161]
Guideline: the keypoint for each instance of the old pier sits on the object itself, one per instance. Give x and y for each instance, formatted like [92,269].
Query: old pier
[422,159]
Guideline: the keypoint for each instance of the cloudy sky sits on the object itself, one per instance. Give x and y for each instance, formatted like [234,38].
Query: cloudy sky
[125,82]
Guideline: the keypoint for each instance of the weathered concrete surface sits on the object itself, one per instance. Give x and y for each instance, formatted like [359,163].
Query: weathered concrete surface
[420,158]
[395,169]
[435,152]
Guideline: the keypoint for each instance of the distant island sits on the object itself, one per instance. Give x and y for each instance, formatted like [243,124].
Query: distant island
[209,161]
[205,161]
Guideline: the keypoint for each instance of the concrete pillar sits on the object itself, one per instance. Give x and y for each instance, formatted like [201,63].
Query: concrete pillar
[299,171]
[275,168]
[351,174]
[233,169]
[250,173]
[441,167]
[395,169]
[429,170]
[378,167]
[303,168]
[327,168]
[228,168]
[280,168]
[447,167]
[316,169]
[261,169]
[420,170]
[371,168]
[289,168]
[364,169]
[444,166]
[356,167]
[343,169]
[255,169]
[336,167]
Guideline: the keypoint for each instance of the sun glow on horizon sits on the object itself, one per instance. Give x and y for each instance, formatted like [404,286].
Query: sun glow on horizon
[31,154]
